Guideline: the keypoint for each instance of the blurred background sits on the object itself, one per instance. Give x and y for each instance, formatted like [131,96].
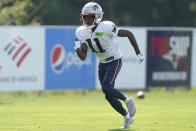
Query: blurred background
[37,36]
[151,13]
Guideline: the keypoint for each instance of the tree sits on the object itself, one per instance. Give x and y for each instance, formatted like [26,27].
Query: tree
[19,12]
[122,12]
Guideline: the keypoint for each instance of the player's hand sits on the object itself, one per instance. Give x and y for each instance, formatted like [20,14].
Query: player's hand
[76,44]
[140,58]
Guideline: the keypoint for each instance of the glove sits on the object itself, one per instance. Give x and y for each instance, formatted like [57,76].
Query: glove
[76,44]
[140,58]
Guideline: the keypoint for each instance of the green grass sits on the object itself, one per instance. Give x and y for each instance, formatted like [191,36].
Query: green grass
[89,111]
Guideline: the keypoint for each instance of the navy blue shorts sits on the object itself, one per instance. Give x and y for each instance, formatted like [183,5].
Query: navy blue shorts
[108,72]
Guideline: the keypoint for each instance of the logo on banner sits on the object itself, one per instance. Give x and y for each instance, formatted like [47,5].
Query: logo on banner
[61,60]
[169,54]
[18,50]
[173,49]
[58,58]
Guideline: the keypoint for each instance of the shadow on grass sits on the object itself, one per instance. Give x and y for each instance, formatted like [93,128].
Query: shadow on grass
[121,129]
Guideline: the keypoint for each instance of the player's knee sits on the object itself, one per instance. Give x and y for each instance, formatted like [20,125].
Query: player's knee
[106,88]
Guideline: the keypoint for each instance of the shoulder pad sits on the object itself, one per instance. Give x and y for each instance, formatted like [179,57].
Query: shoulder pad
[108,23]
[109,27]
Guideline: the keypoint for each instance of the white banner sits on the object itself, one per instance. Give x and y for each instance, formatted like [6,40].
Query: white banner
[193,64]
[22,58]
[132,74]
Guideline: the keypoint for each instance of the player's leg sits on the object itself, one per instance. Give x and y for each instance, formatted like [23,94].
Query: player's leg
[101,72]
[116,104]
[112,94]
[112,71]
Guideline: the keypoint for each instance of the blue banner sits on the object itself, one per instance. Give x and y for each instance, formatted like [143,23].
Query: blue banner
[64,70]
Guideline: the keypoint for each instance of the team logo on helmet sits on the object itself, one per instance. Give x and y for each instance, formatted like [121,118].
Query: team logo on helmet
[58,58]
[95,7]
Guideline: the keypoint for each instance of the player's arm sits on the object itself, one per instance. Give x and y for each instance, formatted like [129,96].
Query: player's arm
[81,51]
[131,37]
[129,34]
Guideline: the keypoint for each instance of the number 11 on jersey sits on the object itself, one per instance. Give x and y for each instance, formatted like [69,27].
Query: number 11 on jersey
[101,50]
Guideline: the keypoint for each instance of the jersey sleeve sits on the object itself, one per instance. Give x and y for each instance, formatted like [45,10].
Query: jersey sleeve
[80,35]
[110,28]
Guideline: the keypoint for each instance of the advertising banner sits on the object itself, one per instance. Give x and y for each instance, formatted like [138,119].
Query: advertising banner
[21,58]
[169,58]
[64,70]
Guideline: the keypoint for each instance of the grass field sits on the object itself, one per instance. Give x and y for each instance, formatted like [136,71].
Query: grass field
[89,111]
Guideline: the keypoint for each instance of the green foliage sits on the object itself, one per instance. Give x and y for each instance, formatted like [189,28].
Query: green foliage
[180,13]
[18,12]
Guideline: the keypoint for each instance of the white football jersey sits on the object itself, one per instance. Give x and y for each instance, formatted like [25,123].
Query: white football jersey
[101,41]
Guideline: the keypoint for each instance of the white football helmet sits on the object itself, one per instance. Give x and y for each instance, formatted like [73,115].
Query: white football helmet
[91,9]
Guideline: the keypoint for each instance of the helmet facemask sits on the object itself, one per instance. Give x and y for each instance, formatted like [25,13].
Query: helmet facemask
[88,20]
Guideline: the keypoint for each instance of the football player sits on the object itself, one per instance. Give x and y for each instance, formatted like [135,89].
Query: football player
[98,36]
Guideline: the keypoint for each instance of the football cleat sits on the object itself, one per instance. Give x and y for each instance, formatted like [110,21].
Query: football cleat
[130,105]
[127,122]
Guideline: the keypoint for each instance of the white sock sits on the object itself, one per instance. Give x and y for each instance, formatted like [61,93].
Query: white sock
[127,116]
[127,98]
